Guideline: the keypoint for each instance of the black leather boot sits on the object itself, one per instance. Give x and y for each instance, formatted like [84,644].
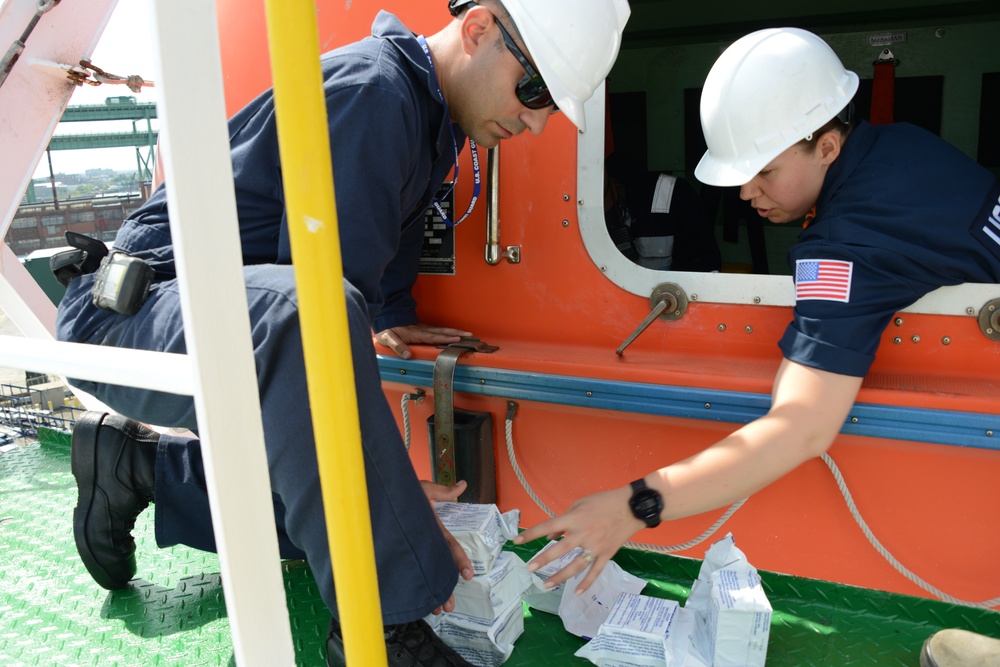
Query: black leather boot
[411,644]
[113,461]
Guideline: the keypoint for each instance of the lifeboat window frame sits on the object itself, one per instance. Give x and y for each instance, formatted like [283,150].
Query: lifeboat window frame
[719,288]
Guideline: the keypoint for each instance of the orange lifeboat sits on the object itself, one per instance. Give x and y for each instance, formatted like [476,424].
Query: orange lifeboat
[920,453]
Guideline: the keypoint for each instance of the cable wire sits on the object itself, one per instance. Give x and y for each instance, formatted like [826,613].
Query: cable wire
[18,46]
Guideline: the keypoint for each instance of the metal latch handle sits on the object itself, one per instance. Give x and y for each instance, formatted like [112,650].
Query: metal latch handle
[493,254]
[668,302]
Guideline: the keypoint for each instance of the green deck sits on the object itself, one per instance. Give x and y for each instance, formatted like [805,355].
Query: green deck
[52,613]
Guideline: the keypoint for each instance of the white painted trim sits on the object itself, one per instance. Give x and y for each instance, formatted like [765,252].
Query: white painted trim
[708,287]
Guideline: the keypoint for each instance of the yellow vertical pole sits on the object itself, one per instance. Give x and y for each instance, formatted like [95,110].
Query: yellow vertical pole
[303,140]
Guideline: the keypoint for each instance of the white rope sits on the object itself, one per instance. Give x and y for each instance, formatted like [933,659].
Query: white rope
[696,541]
[404,406]
[988,604]
[842,485]
[509,430]
[512,409]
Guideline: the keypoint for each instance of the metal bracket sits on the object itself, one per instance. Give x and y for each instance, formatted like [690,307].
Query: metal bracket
[472,343]
[90,74]
[886,56]
[989,319]
[444,405]
[669,302]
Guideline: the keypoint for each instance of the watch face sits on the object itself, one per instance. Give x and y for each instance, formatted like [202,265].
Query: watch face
[646,503]
[646,506]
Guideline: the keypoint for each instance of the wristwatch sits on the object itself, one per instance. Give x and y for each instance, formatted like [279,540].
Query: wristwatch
[646,503]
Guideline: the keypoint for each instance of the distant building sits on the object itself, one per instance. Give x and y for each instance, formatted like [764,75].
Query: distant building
[99,172]
[42,225]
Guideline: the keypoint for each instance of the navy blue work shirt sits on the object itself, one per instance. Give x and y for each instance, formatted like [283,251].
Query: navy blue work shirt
[392,146]
[901,213]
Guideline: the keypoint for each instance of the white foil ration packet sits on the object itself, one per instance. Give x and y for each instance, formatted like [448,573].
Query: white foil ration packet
[547,599]
[488,616]
[483,643]
[733,613]
[582,615]
[643,631]
[612,581]
[481,530]
[485,597]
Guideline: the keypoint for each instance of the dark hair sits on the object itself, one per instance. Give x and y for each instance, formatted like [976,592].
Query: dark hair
[841,123]
[458,7]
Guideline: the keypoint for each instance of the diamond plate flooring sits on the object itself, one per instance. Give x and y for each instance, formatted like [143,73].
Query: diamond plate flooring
[52,613]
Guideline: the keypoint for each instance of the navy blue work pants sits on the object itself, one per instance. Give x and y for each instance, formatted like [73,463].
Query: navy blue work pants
[415,569]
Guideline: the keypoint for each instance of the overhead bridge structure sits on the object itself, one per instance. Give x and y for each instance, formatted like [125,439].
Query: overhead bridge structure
[143,136]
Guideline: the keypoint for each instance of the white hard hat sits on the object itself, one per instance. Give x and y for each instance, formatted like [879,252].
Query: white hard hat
[573,43]
[765,93]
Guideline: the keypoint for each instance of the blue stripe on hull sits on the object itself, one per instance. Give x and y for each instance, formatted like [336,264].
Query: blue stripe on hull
[966,429]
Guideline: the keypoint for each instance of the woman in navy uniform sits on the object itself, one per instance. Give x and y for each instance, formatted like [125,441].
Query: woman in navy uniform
[892,212]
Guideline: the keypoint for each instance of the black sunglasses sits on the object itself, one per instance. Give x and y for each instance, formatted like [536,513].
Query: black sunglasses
[531,89]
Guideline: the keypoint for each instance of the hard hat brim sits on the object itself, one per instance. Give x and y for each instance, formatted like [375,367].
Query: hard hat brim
[573,111]
[712,171]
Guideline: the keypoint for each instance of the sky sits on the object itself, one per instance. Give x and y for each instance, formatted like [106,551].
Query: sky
[125,48]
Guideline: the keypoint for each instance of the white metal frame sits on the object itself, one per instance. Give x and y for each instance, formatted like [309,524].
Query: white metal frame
[219,370]
[762,290]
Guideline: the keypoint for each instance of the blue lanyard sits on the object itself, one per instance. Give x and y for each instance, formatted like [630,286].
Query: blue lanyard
[476,179]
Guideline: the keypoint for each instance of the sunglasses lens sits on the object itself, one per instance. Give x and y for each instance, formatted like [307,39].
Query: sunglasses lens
[533,92]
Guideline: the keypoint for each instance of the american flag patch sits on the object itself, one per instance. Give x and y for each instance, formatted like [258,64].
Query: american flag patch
[823,279]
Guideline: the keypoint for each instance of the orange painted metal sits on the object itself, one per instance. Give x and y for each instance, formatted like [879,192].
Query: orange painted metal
[933,506]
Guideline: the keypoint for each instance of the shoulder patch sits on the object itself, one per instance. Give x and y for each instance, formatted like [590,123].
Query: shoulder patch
[823,280]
